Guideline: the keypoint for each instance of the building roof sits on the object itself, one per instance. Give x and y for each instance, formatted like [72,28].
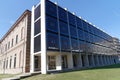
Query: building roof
[16,23]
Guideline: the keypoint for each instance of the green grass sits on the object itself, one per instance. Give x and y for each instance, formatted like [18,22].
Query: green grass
[102,73]
[5,76]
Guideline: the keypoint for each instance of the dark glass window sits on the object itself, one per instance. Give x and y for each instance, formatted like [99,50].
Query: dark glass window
[63,28]
[73,31]
[16,39]
[71,19]
[37,43]
[62,14]
[37,27]
[74,43]
[12,42]
[51,9]
[37,12]
[65,43]
[10,62]
[81,34]
[52,24]
[82,46]
[84,25]
[52,41]
[15,61]
[79,23]
[86,36]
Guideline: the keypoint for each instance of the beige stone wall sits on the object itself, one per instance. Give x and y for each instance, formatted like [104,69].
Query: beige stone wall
[18,49]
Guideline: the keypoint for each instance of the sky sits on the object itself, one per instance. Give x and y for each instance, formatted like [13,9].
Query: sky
[104,14]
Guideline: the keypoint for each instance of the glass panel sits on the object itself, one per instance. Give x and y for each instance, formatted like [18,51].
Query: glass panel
[51,9]
[79,23]
[71,19]
[52,24]
[63,28]
[65,43]
[52,41]
[37,12]
[73,31]
[62,14]
[37,27]
[37,43]
[82,46]
[74,43]
[81,34]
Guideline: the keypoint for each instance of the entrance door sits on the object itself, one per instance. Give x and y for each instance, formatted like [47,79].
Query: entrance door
[75,62]
[64,61]
[51,62]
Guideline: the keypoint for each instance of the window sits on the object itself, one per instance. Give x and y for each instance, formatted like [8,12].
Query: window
[51,9]
[81,34]
[79,23]
[82,46]
[12,42]
[84,25]
[52,24]
[86,36]
[8,44]
[37,43]
[62,14]
[7,63]
[52,41]
[4,64]
[63,28]
[15,61]
[10,61]
[73,31]
[74,43]
[37,27]
[16,39]
[37,12]
[65,43]
[6,47]
[71,19]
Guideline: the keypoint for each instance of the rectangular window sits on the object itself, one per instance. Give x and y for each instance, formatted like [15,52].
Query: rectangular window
[51,24]
[10,61]
[71,19]
[37,27]
[73,31]
[63,28]
[81,34]
[7,63]
[12,42]
[37,12]
[37,43]
[65,43]
[79,23]
[4,64]
[52,41]
[15,61]
[62,14]
[16,39]
[84,25]
[8,44]
[6,47]
[51,9]
[74,43]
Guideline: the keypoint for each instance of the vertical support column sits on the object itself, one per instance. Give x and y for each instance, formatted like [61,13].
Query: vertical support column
[86,60]
[70,61]
[101,60]
[93,60]
[32,43]
[58,62]
[79,61]
[97,60]
[43,38]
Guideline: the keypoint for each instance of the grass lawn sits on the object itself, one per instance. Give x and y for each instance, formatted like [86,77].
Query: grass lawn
[102,73]
[5,76]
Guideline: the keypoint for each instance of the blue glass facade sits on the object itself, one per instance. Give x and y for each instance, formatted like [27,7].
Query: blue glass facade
[68,33]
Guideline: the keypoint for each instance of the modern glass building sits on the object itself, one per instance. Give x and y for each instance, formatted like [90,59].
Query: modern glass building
[60,40]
